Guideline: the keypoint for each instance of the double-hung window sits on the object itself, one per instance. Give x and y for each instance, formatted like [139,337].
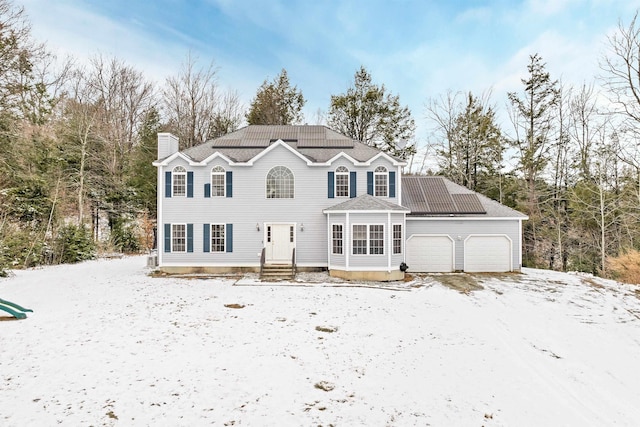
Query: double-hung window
[217,238]
[397,238]
[217,181]
[380,180]
[368,239]
[178,237]
[359,242]
[336,239]
[342,182]
[179,187]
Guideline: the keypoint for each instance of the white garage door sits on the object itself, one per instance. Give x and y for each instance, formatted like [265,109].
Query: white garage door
[487,254]
[430,254]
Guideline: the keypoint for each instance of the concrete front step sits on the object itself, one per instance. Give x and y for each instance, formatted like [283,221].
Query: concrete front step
[277,271]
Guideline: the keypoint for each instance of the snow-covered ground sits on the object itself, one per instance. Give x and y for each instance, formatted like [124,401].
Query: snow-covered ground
[109,345]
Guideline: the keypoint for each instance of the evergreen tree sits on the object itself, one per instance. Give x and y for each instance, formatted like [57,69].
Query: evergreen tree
[367,113]
[476,147]
[142,174]
[276,103]
[533,118]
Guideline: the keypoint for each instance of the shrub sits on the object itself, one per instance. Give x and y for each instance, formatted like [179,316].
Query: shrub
[20,248]
[625,267]
[74,244]
[123,237]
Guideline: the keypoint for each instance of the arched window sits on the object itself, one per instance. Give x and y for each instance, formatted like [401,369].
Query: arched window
[380,181]
[280,183]
[217,181]
[342,182]
[179,177]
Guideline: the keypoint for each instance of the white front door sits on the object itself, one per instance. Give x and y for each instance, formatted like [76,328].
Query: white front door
[279,243]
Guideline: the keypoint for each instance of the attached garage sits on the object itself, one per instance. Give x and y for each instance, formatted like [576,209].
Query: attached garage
[487,254]
[451,228]
[430,254]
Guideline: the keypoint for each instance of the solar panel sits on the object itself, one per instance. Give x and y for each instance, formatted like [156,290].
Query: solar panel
[430,195]
[413,195]
[437,195]
[468,203]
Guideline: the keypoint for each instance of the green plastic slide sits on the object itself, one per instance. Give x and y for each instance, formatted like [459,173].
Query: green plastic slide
[14,309]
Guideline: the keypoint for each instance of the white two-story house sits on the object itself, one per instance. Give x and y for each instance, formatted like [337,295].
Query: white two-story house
[309,198]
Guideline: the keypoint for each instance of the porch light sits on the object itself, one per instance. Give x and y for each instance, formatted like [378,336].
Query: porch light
[301,227]
[257,226]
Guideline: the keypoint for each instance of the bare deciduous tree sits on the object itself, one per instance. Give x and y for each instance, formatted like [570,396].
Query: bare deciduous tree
[190,99]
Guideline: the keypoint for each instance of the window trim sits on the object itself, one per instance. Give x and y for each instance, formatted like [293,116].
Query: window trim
[184,224]
[334,239]
[379,173]
[176,172]
[220,172]
[342,173]
[368,239]
[293,183]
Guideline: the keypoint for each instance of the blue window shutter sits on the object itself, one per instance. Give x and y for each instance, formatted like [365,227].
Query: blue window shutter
[189,237]
[189,184]
[167,237]
[229,237]
[206,243]
[370,183]
[392,184]
[352,185]
[167,184]
[330,185]
[207,190]
[229,184]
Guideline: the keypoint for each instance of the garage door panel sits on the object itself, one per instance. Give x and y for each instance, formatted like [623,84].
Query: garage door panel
[487,254]
[431,254]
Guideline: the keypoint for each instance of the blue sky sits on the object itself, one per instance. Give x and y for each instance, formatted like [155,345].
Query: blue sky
[417,49]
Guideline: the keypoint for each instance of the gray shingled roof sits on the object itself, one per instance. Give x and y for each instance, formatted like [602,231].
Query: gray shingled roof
[366,202]
[437,196]
[316,143]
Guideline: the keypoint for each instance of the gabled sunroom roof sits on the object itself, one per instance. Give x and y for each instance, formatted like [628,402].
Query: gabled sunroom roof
[366,203]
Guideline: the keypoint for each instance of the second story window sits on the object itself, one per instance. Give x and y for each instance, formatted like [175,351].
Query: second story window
[217,181]
[179,182]
[342,182]
[380,177]
[280,183]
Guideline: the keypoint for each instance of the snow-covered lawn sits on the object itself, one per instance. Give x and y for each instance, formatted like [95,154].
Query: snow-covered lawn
[109,345]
